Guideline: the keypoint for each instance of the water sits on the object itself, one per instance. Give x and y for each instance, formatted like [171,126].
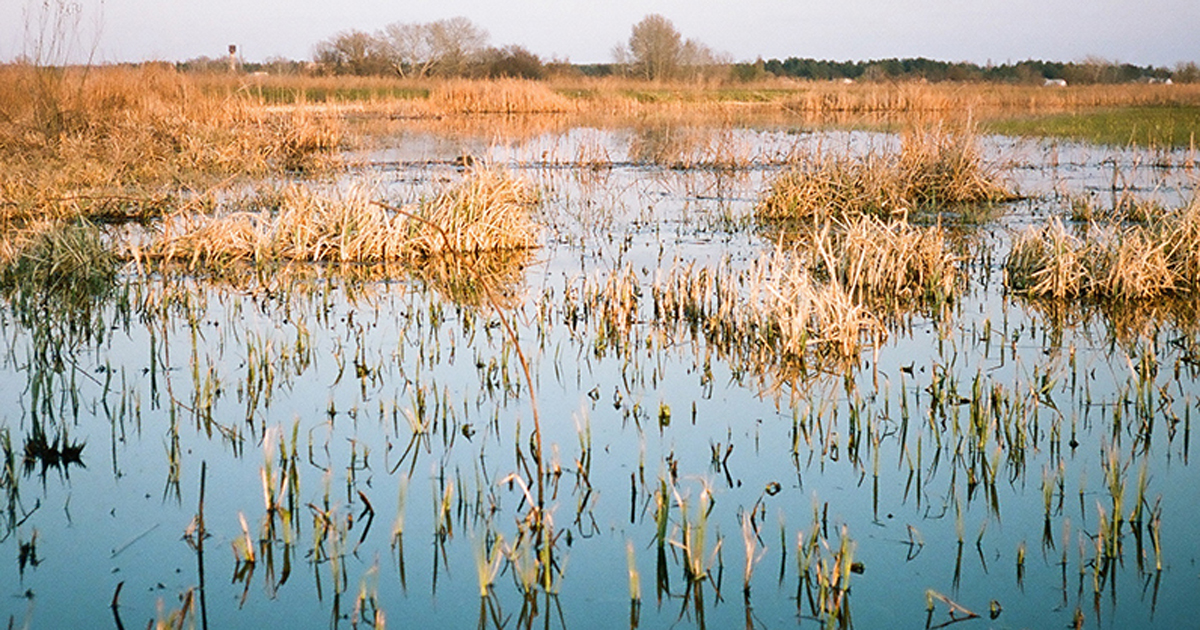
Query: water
[385,383]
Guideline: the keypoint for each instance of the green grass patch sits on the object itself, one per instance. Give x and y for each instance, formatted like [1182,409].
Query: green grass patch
[1173,126]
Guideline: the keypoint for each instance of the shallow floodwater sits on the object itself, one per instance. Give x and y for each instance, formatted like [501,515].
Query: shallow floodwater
[362,437]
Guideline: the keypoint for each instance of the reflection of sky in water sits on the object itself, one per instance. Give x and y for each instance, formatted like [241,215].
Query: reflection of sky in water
[118,521]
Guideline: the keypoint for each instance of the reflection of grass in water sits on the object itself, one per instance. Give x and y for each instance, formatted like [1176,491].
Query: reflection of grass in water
[1124,321]
[466,280]
[1159,126]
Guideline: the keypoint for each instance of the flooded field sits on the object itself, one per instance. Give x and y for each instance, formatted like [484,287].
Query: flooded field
[670,412]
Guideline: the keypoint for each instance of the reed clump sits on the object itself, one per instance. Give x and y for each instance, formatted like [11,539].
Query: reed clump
[890,262]
[1155,259]
[770,312]
[71,265]
[934,167]
[487,211]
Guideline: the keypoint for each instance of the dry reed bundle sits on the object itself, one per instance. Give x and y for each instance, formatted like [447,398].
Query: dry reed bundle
[933,167]
[829,186]
[773,309]
[939,167]
[1132,262]
[488,211]
[891,262]
[1046,261]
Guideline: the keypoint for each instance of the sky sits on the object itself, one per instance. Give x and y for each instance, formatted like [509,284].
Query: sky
[1143,32]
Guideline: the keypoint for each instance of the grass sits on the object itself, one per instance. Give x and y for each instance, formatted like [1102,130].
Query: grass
[487,211]
[118,141]
[886,262]
[934,167]
[1172,126]
[1109,261]
[63,268]
[773,312]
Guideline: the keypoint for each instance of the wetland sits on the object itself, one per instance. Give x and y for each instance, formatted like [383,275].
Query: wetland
[592,371]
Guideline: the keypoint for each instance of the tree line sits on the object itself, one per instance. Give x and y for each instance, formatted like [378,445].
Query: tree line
[655,50]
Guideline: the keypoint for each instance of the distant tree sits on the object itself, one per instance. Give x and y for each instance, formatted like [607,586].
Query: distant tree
[351,52]
[444,48]
[655,48]
[511,61]
[456,42]
[1186,73]
[203,63]
[409,48]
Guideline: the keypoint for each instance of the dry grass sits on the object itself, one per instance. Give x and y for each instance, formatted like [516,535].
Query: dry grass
[773,310]
[118,141]
[1131,262]
[499,96]
[933,167]
[892,263]
[488,211]
[813,102]
[940,166]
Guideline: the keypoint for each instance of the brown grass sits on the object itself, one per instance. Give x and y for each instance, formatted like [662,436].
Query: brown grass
[487,211]
[118,141]
[1127,262]
[499,96]
[891,263]
[934,167]
[774,309]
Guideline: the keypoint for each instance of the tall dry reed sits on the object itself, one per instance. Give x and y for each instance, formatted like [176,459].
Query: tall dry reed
[933,167]
[487,211]
[116,141]
[1111,261]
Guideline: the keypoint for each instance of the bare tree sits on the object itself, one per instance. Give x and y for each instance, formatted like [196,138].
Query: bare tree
[456,41]
[445,47]
[351,52]
[655,47]
[409,48]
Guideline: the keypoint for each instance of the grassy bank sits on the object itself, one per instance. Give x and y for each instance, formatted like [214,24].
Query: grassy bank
[1172,126]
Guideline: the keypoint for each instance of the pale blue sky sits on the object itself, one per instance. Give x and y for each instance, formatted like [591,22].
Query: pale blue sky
[1159,32]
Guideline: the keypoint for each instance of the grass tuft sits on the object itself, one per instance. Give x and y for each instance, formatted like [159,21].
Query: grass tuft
[487,211]
[933,168]
[1155,259]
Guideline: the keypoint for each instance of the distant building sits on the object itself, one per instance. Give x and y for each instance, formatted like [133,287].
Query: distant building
[1055,83]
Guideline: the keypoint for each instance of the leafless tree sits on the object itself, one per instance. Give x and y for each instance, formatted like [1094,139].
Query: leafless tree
[445,47]
[351,52]
[655,47]
[657,51]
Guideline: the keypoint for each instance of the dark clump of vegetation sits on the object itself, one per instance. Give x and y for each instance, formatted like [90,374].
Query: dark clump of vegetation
[1087,72]
[58,454]
[71,266]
